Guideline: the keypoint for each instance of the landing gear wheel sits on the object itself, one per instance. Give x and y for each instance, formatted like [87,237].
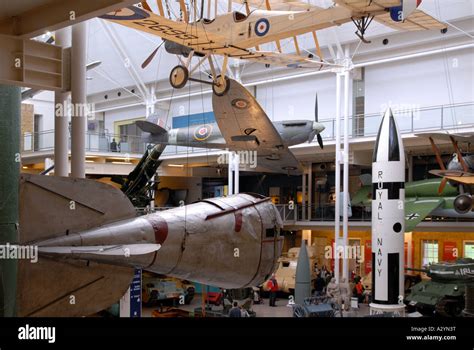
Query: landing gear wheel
[179,77]
[221,86]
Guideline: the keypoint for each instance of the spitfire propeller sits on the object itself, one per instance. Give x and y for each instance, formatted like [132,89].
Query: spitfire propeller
[317,127]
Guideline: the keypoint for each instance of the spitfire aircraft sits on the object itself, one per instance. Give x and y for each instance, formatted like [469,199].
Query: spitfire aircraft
[239,35]
[242,124]
[458,172]
[421,200]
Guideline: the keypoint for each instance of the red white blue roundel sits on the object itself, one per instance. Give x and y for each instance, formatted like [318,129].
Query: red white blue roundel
[262,27]
[128,13]
[202,132]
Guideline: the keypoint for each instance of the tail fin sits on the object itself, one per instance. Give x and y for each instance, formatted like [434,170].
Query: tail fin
[54,206]
[150,127]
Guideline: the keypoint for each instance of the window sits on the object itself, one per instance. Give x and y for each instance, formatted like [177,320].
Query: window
[469,249]
[430,252]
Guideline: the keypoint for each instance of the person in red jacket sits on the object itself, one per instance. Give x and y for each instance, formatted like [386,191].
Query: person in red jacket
[272,285]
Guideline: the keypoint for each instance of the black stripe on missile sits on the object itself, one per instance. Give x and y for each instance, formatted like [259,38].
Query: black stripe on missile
[392,187]
[393,146]
[373,276]
[393,279]
[376,148]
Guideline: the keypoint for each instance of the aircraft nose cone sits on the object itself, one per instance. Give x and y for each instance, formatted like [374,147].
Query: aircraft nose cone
[318,127]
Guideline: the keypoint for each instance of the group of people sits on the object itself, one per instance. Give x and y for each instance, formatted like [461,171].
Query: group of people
[238,311]
[340,293]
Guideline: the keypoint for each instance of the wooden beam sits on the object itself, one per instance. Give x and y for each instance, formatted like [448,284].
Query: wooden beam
[160,8]
[182,6]
[318,48]
[437,154]
[297,47]
[51,16]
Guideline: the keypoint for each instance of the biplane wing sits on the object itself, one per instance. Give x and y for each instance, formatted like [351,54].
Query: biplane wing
[192,35]
[418,20]
[283,59]
[278,5]
[465,178]
[385,10]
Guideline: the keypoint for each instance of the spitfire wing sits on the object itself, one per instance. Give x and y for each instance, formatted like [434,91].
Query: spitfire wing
[281,161]
[417,210]
[418,20]
[245,126]
[283,59]
[189,34]
[459,176]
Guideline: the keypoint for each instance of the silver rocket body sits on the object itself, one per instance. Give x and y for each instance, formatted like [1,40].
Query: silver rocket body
[388,214]
[230,242]
[89,242]
[303,275]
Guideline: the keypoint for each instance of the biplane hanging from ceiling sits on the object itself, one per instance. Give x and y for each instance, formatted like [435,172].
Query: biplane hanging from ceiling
[239,35]
[459,171]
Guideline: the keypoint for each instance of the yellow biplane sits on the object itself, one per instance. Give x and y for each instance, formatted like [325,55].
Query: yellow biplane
[238,35]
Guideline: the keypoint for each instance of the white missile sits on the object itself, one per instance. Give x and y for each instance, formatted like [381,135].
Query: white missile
[388,213]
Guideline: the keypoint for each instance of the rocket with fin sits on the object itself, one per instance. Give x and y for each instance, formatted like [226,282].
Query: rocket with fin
[388,214]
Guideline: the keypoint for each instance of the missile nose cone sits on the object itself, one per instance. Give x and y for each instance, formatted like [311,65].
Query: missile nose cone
[387,144]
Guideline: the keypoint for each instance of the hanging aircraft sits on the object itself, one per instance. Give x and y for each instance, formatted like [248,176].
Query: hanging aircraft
[459,171]
[242,124]
[421,200]
[88,250]
[239,35]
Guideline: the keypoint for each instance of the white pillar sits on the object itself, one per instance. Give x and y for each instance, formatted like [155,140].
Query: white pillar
[337,210]
[310,189]
[345,218]
[78,97]
[61,120]
[230,175]
[303,197]
[236,172]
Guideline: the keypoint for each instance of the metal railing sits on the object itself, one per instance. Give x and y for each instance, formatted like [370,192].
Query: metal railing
[326,213]
[446,117]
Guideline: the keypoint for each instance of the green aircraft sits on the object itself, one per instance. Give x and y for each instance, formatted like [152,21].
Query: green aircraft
[421,200]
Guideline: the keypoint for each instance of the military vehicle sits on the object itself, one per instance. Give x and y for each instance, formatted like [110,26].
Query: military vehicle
[443,293]
[159,289]
[285,273]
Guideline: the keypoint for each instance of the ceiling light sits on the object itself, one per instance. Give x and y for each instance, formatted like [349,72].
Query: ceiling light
[176,165]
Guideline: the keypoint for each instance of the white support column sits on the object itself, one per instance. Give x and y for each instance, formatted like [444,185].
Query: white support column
[61,120]
[345,218]
[303,196]
[236,173]
[337,210]
[78,98]
[230,175]
[310,189]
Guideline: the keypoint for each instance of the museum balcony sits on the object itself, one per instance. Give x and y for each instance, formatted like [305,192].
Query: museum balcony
[302,217]
[127,149]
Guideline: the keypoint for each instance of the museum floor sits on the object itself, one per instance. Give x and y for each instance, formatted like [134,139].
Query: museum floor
[282,309]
